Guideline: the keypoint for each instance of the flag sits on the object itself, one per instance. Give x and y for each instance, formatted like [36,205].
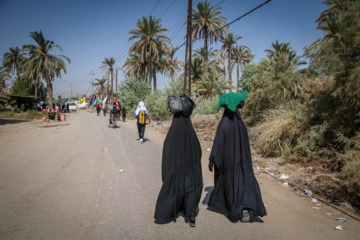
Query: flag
[105,101]
[117,103]
[82,100]
[92,99]
[95,102]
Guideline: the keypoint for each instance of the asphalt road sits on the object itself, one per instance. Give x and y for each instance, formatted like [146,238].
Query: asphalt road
[79,179]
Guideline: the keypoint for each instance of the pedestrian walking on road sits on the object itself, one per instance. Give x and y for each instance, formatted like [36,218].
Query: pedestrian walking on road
[105,110]
[123,112]
[141,114]
[236,192]
[98,108]
[181,172]
[114,111]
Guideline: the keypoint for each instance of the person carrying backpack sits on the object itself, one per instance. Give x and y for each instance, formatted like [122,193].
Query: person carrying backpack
[114,110]
[123,111]
[141,114]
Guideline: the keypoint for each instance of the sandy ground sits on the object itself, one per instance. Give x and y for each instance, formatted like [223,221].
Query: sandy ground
[79,179]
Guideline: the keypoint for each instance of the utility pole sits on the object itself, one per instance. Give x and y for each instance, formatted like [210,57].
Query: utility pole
[92,81]
[188,48]
[70,91]
[116,81]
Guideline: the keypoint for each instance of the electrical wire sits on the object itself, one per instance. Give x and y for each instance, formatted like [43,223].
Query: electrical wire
[226,25]
[167,8]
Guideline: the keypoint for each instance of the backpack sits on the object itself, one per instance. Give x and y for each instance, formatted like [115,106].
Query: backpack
[187,105]
[114,110]
[181,103]
[174,103]
[141,117]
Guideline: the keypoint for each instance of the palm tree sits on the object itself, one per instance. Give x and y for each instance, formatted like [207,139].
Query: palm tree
[283,57]
[214,65]
[210,84]
[32,75]
[13,60]
[171,66]
[100,83]
[152,44]
[3,77]
[108,67]
[207,23]
[133,66]
[228,44]
[241,56]
[197,68]
[48,65]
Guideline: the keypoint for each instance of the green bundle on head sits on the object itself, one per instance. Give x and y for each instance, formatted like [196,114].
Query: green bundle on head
[231,100]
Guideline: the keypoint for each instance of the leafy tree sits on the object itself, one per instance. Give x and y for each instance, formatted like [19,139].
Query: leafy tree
[132,92]
[13,60]
[22,88]
[156,103]
[48,65]
[337,56]
[207,23]
[255,75]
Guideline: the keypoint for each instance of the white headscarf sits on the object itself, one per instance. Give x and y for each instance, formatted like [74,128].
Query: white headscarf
[141,107]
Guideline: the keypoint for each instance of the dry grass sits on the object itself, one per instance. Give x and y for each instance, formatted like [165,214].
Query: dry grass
[277,131]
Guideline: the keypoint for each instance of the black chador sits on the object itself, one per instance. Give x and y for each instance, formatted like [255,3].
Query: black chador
[181,173]
[236,193]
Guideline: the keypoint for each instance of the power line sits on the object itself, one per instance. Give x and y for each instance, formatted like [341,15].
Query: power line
[184,17]
[154,8]
[226,25]
[167,8]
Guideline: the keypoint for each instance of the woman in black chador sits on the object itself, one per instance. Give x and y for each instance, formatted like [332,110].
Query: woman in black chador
[236,193]
[181,172]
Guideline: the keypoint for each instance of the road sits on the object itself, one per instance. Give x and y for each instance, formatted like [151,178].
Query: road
[79,179]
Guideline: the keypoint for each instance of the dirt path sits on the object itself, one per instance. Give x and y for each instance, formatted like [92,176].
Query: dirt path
[79,179]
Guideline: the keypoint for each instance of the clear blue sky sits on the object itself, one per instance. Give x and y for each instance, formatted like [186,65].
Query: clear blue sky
[90,30]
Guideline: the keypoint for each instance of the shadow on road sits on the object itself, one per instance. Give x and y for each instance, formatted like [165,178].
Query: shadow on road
[12,121]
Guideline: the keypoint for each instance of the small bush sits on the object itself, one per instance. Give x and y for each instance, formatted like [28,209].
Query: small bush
[277,133]
[156,104]
[207,106]
[350,176]
[30,114]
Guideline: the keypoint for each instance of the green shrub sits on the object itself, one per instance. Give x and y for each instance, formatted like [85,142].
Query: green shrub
[207,106]
[156,104]
[30,114]
[132,92]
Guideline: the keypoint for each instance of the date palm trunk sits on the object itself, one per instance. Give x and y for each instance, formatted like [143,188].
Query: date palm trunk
[229,68]
[206,53]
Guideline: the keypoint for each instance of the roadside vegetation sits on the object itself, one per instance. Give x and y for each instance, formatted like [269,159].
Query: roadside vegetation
[305,108]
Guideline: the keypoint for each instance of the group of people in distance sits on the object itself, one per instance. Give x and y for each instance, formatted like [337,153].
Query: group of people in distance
[141,114]
[236,193]
[115,112]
